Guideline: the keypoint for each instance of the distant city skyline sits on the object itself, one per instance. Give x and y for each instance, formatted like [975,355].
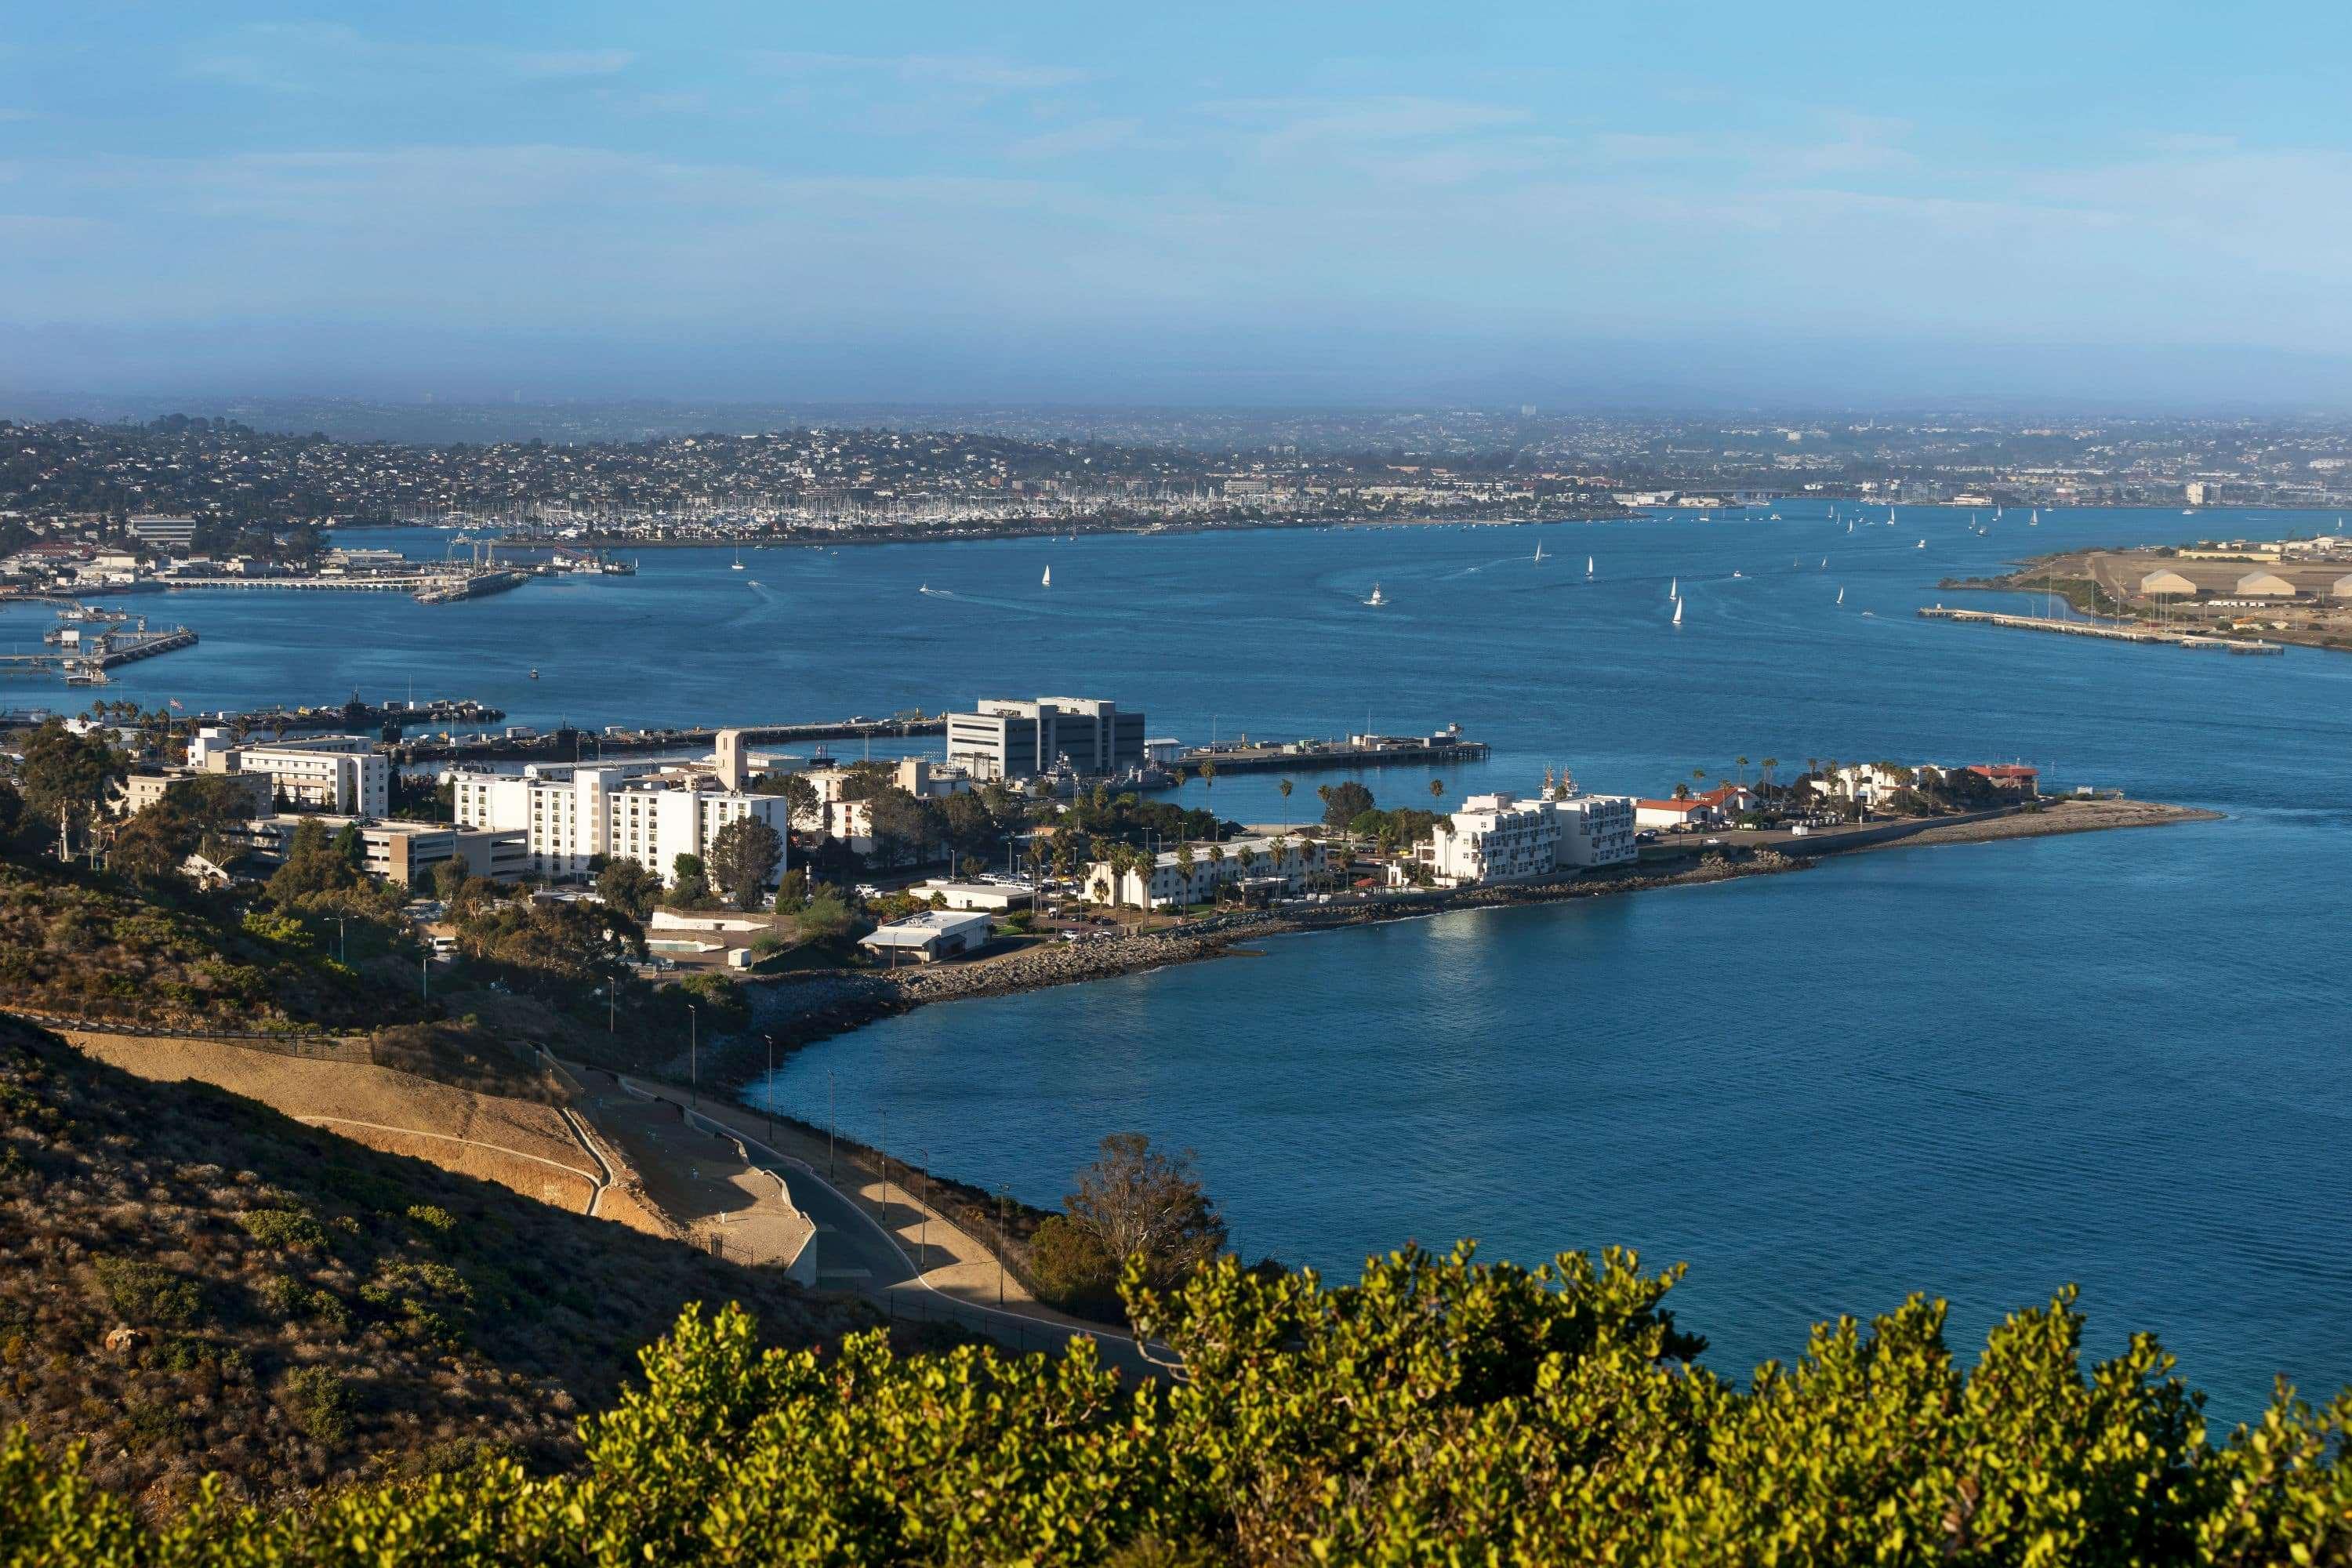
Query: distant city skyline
[1698,205]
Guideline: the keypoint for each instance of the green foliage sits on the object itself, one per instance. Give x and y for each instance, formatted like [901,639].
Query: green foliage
[1070,1266]
[744,855]
[65,773]
[321,1401]
[288,1230]
[824,917]
[629,886]
[1440,1411]
[146,1292]
[1344,801]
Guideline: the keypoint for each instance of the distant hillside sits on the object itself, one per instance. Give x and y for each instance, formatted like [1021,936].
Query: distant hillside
[303,1312]
[75,946]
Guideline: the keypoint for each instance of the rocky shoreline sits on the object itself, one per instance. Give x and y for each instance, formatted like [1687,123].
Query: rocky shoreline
[801,1009]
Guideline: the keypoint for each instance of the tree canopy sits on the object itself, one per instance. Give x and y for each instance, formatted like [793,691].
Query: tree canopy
[1442,1410]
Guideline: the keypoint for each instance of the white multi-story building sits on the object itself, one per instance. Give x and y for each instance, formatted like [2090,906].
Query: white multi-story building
[1596,830]
[1004,738]
[572,814]
[1284,865]
[342,773]
[1501,838]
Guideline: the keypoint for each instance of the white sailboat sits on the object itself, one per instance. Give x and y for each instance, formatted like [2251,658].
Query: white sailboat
[1825,563]
[1849,525]
[1378,597]
[1588,568]
[1922,544]
[1678,612]
[1049,577]
[2035,520]
[1539,551]
[739,559]
[1841,598]
[1673,587]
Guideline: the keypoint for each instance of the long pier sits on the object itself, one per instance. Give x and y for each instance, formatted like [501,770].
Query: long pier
[590,745]
[2102,630]
[1318,759]
[103,652]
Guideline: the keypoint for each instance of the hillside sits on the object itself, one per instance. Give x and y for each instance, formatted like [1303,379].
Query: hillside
[72,945]
[303,1312]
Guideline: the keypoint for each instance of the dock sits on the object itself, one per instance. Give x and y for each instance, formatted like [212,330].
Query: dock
[1323,756]
[593,745]
[2107,630]
[87,664]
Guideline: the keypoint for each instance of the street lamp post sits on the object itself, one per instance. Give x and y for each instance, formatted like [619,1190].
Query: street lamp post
[693,1057]
[831,1148]
[923,1237]
[768,1087]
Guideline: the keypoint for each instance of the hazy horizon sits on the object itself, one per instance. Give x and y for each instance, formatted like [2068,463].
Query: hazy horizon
[1702,208]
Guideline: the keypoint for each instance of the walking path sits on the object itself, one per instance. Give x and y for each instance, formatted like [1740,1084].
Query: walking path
[876,1238]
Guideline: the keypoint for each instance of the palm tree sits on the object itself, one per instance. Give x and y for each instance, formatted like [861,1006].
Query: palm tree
[1770,764]
[1284,786]
[1217,869]
[1184,867]
[1209,777]
[1743,771]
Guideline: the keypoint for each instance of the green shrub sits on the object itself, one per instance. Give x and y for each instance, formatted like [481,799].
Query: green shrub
[1070,1266]
[148,1293]
[320,1402]
[288,1230]
[433,1218]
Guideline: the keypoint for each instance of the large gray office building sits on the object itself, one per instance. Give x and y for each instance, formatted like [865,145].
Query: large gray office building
[1009,740]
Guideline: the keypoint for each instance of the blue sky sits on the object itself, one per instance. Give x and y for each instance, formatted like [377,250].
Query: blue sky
[1565,202]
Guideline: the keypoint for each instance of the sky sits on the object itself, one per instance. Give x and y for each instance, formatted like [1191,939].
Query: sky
[1572,204]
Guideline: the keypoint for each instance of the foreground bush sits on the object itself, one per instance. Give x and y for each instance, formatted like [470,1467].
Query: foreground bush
[1440,1411]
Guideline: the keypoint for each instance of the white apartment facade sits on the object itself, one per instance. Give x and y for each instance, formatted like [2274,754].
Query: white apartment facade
[571,816]
[340,774]
[1279,864]
[1499,838]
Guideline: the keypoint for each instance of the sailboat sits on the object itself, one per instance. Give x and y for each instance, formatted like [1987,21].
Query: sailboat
[1841,598]
[1825,563]
[1378,597]
[1049,576]
[1539,551]
[2035,520]
[1588,568]
[738,559]
[1673,586]
[1849,525]
[1678,612]
[1922,544]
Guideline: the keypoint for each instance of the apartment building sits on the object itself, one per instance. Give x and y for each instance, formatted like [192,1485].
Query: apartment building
[342,773]
[570,816]
[1499,838]
[1275,867]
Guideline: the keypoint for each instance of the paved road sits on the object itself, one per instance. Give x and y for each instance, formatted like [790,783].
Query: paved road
[854,1252]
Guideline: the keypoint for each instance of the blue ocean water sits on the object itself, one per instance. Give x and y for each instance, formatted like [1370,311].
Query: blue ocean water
[1978,1072]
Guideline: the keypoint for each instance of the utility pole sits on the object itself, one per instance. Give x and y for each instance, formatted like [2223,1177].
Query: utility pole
[693,1057]
[768,1087]
[831,1147]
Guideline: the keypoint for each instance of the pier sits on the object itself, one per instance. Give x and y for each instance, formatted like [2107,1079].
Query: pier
[2107,630]
[586,745]
[87,664]
[1319,756]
